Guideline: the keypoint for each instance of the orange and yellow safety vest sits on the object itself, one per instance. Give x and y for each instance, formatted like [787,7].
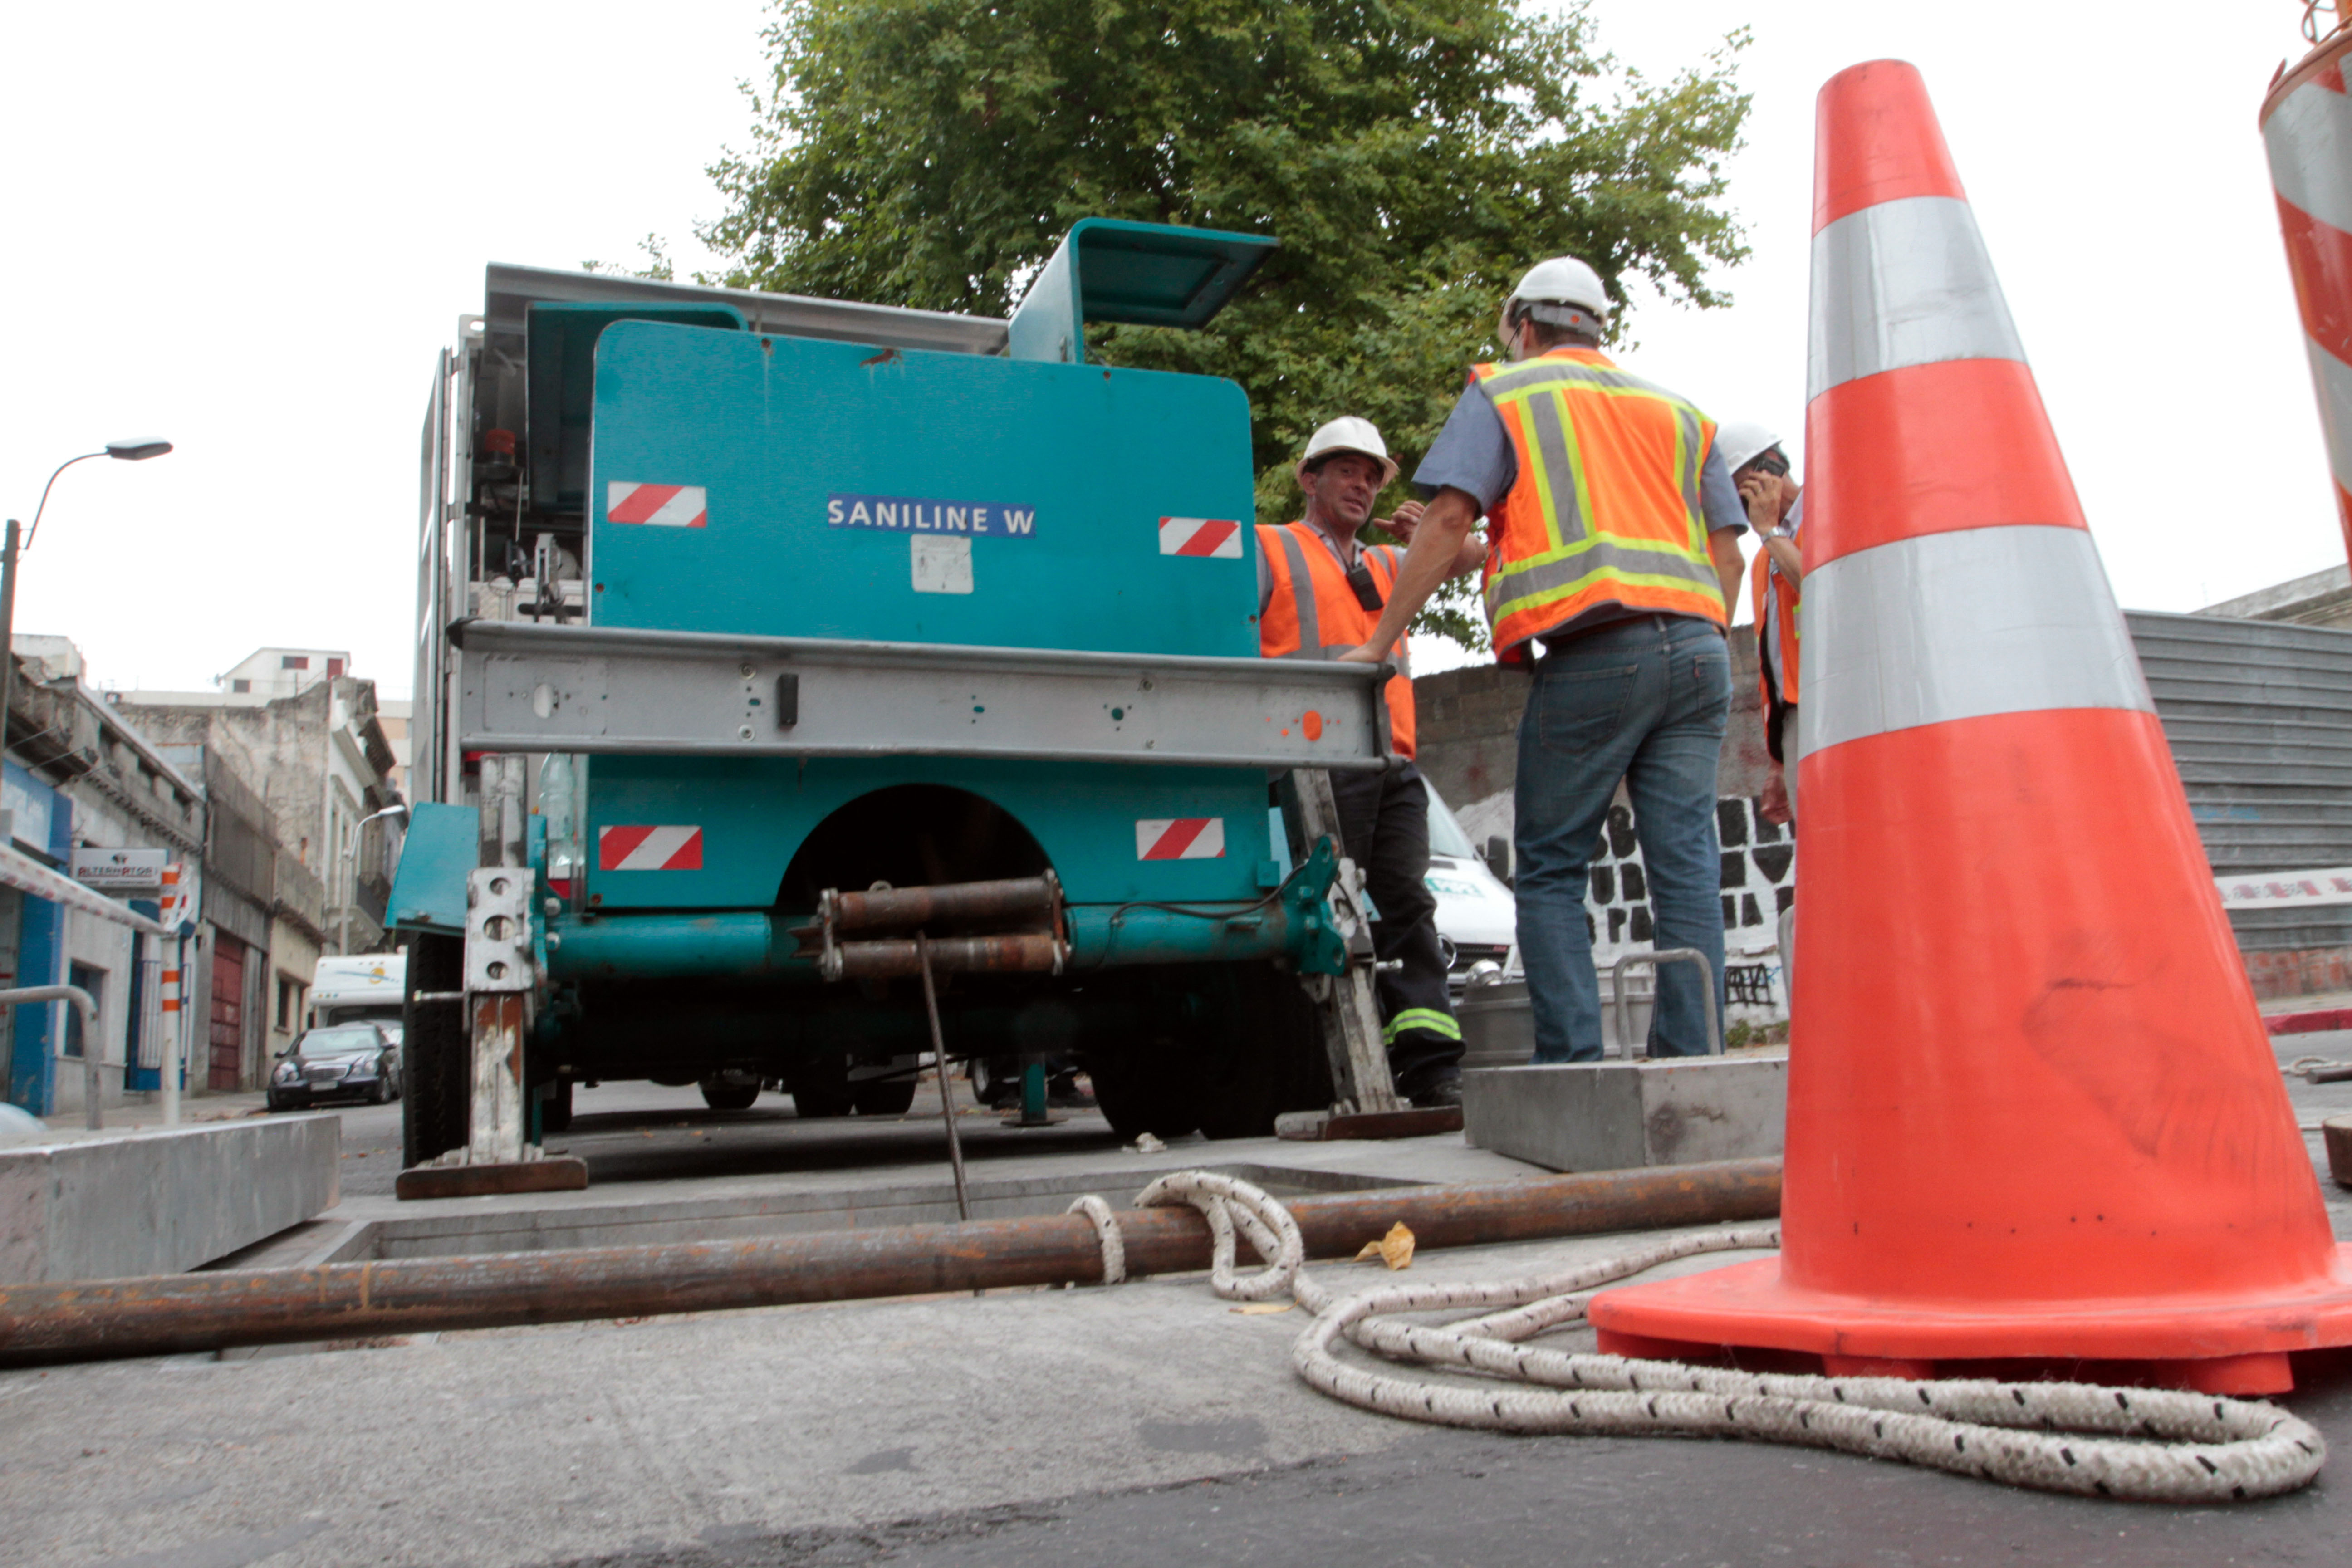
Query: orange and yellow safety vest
[1311,612]
[1780,633]
[1606,508]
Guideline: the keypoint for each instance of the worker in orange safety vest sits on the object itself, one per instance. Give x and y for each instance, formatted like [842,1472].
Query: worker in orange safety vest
[1612,562]
[1776,509]
[1319,593]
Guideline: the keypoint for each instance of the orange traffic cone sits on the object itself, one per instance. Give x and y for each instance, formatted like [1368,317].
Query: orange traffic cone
[2032,1114]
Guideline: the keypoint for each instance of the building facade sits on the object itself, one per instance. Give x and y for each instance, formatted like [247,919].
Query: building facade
[305,739]
[80,779]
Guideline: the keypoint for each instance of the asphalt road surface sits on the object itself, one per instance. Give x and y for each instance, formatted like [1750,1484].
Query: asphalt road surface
[1444,1498]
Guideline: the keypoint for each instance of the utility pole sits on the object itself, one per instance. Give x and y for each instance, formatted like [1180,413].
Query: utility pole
[7,657]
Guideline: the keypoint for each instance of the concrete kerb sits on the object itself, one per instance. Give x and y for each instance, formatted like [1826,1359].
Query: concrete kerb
[161,1200]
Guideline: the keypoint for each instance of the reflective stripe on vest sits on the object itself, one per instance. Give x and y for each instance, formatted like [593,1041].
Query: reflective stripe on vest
[1309,601]
[1606,507]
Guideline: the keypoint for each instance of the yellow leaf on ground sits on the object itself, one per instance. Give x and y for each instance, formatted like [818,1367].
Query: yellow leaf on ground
[1395,1248]
[1259,1308]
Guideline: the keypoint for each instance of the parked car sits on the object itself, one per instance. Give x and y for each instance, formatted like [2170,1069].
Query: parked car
[341,1061]
[1477,918]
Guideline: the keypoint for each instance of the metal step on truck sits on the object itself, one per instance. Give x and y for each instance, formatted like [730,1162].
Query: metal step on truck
[809,690]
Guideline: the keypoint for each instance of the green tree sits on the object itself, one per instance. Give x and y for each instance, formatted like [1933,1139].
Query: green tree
[1412,156]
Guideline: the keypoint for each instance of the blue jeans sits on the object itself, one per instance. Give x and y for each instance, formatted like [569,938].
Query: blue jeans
[1643,702]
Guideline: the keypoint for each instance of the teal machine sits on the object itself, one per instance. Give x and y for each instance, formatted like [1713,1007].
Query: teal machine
[780,658]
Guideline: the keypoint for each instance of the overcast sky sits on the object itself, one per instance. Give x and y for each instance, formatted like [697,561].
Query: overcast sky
[248,228]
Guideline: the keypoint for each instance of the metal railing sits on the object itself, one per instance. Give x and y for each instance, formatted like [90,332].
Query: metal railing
[93,1111]
[1624,1003]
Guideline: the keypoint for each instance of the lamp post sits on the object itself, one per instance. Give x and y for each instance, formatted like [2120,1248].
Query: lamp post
[11,548]
[351,868]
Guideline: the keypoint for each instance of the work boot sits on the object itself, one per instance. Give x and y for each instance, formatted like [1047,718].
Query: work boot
[1438,1094]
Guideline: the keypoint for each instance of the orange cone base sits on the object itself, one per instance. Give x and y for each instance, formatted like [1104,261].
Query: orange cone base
[2211,1344]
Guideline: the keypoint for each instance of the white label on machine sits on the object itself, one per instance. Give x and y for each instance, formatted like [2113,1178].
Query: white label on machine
[1180,838]
[664,506]
[942,564]
[649,848]
[1209,536]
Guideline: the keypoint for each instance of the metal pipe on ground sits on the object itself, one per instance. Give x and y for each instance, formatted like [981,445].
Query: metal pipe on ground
[172,1314]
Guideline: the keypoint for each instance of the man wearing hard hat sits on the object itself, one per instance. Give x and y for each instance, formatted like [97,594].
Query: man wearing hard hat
[1318,595]
[1776,508]
[1760,470]
[1613,558]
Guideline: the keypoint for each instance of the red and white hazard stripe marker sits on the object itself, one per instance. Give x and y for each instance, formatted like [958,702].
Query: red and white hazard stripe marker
[664,506]
[1180,838]
[636,848]
[1210,536]
[2304,123]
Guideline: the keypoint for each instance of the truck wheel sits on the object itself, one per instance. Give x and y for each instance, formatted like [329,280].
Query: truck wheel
[439,1090]
[1149,1086]
[1269,1059]
[820,1087]
[885,1097]
[555,1111]
[996,1081]
[719,1095]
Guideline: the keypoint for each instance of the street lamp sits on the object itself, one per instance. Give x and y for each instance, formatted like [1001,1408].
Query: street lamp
[125,451]
[351,868]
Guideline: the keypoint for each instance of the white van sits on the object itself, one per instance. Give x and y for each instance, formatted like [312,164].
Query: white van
[1477,916]
[359,987]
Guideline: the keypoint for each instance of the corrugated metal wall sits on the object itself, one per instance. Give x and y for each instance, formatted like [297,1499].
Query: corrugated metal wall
[2259,715]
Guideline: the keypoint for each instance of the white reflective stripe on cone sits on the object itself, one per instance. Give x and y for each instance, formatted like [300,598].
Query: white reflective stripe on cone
[2310,141]
[1902,283]
[2333,377]
[1961,625]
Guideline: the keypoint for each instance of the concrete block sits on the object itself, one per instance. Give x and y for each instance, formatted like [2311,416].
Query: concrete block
[161,1200]
[1615,1116]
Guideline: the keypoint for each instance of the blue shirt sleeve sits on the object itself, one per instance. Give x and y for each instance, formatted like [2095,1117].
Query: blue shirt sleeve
[1473,453]
[1718,498]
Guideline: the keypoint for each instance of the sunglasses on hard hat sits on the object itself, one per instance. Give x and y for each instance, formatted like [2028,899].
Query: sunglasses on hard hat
[1368,592]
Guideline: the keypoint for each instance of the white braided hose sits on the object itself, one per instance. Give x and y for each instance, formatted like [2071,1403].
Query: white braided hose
[2136,1444]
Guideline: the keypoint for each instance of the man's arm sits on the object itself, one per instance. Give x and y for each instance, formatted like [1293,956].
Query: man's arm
[1441,542]
[1407,521]
[1723,545]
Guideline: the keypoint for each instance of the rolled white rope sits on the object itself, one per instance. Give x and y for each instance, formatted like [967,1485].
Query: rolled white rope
[2136,1444]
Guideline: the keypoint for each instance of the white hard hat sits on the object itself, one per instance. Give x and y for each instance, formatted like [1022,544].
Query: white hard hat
[1742,444]
[1348,433]
[1561,292]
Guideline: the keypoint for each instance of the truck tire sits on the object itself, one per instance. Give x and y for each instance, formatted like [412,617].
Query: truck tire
[1147,1086]
[820,1087]
[720,1095]
[996,1081]
[439,1090]
[1268,1059]
[885,1097]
